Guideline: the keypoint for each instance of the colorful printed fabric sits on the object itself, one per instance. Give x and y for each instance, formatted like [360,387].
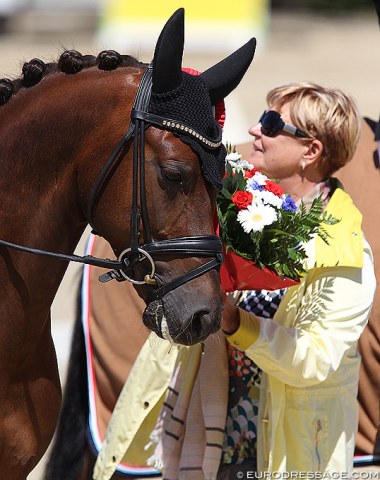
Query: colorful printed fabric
[244,381]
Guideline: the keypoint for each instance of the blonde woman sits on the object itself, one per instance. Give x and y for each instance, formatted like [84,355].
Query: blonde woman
[308,414]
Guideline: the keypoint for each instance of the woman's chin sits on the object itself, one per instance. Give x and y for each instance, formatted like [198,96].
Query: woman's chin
[257,162]
[255,159]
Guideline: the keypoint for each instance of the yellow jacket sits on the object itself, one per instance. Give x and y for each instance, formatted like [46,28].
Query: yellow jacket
[308,411]
[137,409]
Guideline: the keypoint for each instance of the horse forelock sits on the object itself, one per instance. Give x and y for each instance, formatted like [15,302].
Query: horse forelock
[70,62]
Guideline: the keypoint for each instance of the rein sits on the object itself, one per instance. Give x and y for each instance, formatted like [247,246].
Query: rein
[206,246]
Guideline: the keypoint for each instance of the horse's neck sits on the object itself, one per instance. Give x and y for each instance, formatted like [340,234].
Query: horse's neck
[47,134]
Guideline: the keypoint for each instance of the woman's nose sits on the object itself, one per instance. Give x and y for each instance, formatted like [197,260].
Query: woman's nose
[255,130]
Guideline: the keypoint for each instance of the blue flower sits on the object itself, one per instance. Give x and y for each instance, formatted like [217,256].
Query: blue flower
[253,185]
[289,204]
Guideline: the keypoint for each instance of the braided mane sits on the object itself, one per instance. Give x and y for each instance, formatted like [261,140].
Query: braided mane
[70,62]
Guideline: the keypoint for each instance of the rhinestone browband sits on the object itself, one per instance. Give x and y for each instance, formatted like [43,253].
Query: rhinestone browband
[169,124]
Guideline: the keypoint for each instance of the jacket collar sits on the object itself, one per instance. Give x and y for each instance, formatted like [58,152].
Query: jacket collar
[345,244]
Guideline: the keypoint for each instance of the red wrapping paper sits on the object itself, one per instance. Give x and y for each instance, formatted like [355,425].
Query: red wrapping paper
[237,273]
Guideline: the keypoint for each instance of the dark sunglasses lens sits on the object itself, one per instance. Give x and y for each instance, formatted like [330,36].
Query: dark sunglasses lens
[271,123]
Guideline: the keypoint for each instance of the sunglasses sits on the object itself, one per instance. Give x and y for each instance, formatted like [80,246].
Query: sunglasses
[272,124]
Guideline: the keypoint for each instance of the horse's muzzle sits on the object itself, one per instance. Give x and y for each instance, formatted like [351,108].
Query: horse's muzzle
[195,328]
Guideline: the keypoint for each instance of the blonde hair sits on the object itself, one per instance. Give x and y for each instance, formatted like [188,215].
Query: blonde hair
[326,114]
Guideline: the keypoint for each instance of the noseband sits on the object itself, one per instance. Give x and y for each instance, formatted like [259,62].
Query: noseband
[206,246]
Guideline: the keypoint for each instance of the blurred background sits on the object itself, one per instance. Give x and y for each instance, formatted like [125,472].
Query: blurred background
[333,42]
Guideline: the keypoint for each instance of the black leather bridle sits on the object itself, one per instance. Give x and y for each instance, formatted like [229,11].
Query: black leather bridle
[207,246]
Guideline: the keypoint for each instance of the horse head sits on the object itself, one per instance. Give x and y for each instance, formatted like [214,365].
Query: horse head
[182,161]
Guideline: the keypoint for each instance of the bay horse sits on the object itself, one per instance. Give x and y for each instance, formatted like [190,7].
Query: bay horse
[153,201]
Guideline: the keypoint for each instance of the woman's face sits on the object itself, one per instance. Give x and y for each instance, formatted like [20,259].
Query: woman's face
[280,156]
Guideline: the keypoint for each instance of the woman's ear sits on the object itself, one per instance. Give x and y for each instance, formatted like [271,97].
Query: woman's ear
[313,152]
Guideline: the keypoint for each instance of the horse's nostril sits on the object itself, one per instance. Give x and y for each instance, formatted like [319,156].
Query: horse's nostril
[203,324]
[197,324]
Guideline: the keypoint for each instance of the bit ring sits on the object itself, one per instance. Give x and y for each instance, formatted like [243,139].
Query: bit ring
[149,278]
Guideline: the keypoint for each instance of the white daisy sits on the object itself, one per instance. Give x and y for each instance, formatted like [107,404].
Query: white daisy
[255,217]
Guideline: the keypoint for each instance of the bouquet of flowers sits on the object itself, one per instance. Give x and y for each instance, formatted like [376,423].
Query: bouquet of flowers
[263,230]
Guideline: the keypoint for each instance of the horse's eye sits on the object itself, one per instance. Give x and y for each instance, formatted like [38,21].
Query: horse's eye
[172,175]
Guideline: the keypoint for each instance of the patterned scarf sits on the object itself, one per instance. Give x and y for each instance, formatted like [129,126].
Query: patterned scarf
[190,428]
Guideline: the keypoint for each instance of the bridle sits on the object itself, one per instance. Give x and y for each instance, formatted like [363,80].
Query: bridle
[207,246]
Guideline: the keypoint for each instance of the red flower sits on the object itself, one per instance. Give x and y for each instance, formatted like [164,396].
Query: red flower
[274,188]
[242,199]
[250,173]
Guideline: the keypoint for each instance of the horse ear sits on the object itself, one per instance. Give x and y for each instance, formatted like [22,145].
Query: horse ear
[225,76]
[167,60]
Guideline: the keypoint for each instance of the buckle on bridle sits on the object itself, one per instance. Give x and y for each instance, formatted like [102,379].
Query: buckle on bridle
[124,258]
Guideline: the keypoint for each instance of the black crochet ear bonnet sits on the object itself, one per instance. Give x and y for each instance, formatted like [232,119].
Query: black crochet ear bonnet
[190,105]
[189,100]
